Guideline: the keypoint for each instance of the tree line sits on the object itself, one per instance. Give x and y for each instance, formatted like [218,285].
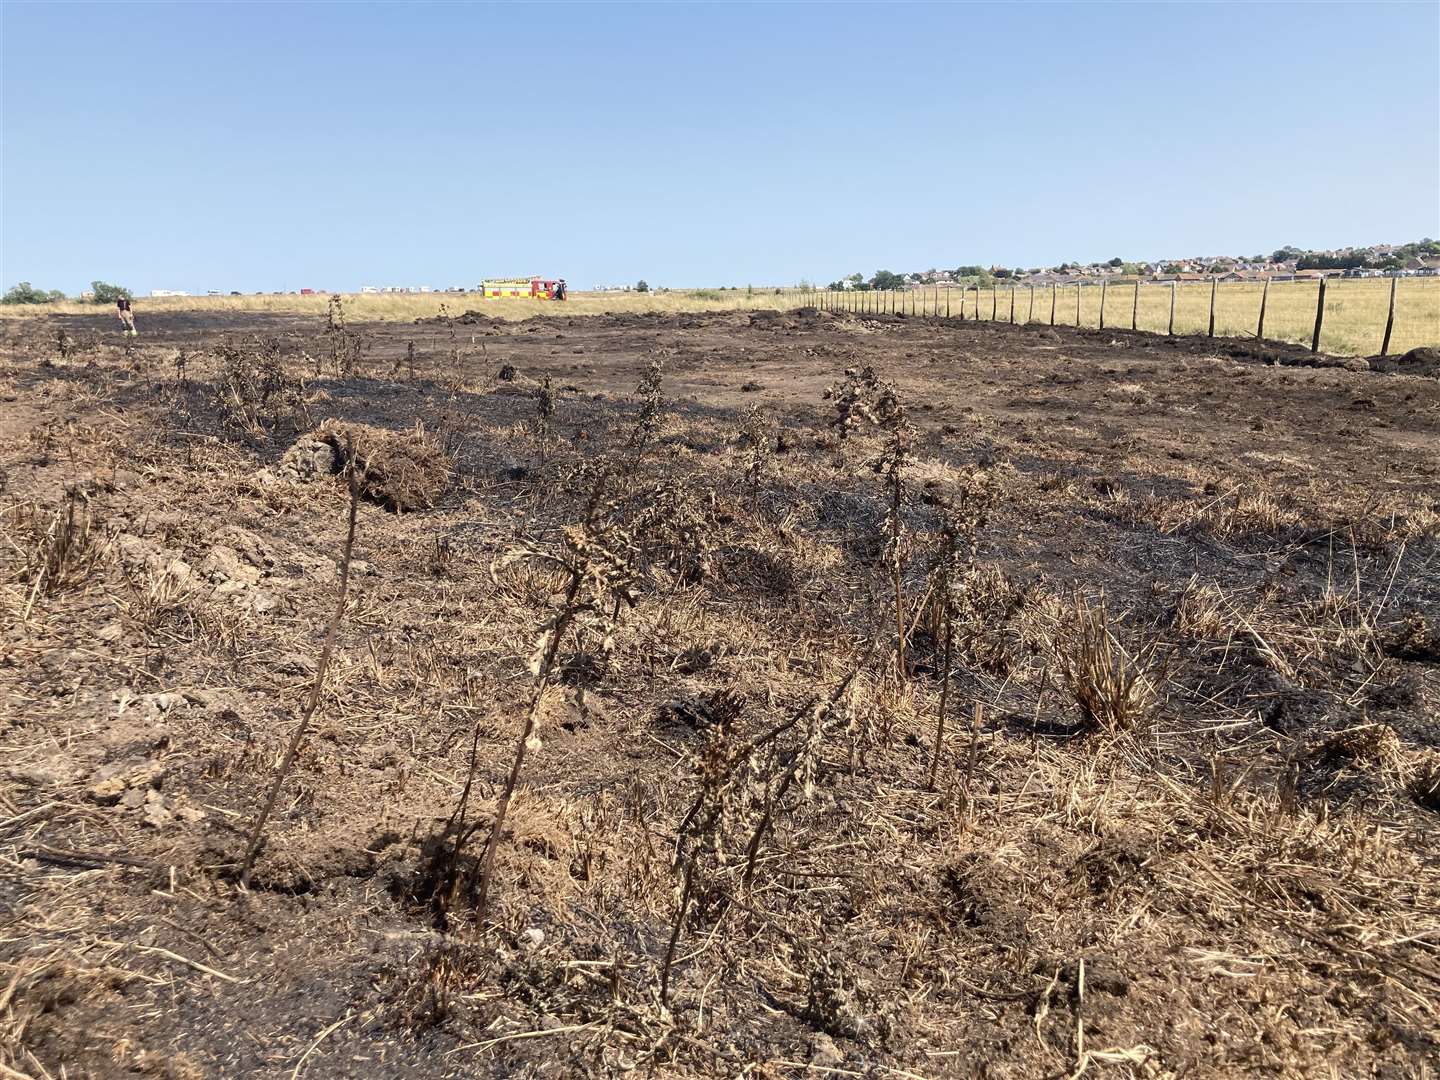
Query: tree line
[101,292]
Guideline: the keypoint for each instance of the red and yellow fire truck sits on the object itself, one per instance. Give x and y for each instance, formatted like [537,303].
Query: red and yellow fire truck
[530,288]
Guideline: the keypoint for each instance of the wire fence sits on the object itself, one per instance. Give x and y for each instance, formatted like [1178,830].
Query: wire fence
[1340,316]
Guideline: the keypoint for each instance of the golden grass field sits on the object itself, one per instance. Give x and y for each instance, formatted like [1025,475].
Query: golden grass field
[1354,321]
[1354,309]
[402,307]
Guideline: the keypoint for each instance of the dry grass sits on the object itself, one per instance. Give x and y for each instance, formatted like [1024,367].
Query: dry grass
[407,307]
[1112,685]
[57,549]
[1354,324]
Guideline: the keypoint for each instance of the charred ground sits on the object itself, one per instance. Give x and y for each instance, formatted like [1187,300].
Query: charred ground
[1184,819]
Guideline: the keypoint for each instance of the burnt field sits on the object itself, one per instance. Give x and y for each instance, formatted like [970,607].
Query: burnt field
[892,698]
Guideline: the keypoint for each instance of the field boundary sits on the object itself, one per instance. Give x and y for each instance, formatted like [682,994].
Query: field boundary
[1052,305]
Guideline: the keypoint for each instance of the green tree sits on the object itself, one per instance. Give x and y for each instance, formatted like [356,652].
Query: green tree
[25,293]
[1329,262]
[1116,262]
[884,279]
[105,293]
[640,286]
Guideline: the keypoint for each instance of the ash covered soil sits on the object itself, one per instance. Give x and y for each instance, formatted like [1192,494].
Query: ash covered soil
[1183,816]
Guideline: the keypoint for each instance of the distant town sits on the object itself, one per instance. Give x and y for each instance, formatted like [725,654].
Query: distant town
[1418,259]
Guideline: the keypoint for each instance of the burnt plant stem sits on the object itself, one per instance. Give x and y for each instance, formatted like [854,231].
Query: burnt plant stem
[797,759]
[257,833]
[686,889]
[944,698]
[542,679]
[973,758]
[896,574]
[752,850]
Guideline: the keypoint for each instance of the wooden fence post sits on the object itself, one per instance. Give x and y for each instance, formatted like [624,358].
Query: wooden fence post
[1054,293]
[1077,305]
[1171,329]
[1012,305]
[947,303]
[1214,286]
[994,303]
[1103,284]
[1264,296]
[1135,306]
[1389,319]
[1319,318]
[1029,318]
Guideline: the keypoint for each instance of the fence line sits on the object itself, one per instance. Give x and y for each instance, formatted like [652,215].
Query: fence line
[926,303]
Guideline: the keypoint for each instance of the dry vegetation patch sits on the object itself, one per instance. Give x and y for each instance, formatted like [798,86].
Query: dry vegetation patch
[1028,703]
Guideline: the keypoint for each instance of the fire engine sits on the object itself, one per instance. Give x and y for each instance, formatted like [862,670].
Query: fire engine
[533,288]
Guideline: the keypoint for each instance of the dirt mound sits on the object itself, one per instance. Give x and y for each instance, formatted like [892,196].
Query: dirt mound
[805,318]
[399,470]
[470,318]
[1421,361]
[309,458]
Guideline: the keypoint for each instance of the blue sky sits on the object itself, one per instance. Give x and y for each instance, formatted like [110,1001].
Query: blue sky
[273,146]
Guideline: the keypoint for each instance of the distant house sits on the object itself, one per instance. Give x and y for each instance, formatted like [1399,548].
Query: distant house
[1316,275]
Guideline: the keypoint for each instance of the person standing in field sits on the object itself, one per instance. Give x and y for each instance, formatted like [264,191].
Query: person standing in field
[127,317]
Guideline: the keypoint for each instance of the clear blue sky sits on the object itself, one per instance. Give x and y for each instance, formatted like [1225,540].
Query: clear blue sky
[283,146]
